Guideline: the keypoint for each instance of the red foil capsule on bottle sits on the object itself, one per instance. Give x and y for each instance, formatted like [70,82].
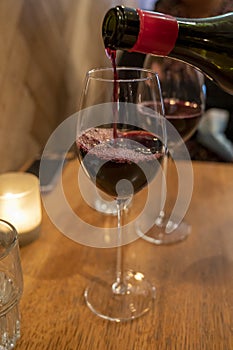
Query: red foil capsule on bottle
[158,33]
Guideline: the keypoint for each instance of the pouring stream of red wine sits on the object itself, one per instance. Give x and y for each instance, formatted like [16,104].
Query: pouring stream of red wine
[111,54]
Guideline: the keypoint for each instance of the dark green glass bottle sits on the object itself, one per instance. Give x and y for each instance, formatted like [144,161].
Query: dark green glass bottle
[205,43]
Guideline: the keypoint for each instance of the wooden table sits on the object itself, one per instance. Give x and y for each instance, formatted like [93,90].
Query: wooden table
[193,309]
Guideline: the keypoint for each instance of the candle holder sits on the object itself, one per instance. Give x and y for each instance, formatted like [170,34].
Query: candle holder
[20,204]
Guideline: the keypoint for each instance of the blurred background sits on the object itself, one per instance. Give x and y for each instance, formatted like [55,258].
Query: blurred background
[46,47]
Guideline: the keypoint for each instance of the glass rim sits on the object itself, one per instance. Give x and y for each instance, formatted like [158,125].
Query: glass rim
[13,238]
[122,68]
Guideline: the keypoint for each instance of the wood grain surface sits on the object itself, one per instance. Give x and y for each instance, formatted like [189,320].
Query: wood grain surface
[193,309]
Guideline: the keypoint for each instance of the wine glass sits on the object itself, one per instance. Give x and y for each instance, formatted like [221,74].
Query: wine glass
[183,93]
[120,145]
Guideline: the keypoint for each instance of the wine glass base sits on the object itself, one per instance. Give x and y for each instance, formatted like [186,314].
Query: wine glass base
[158,233]
[136,300]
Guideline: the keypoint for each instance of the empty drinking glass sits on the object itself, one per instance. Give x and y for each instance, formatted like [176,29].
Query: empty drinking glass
[11,286]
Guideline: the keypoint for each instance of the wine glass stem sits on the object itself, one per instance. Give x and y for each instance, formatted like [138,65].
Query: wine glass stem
[119,286]
[163,211]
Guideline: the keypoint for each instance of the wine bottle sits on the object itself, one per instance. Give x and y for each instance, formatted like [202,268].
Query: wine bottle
[205,43]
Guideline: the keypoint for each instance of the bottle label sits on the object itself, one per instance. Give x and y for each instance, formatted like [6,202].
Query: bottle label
[158,33]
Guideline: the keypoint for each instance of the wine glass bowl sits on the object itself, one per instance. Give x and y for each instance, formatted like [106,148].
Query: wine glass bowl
[120,146]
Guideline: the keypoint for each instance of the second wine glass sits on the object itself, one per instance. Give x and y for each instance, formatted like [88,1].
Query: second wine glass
[183,91]
[120,145]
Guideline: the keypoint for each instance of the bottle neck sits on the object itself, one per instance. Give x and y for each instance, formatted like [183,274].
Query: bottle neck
[139,31]
[155,33]
[163,35]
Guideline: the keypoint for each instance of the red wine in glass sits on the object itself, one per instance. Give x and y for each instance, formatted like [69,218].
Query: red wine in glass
[183,115]
[132,156]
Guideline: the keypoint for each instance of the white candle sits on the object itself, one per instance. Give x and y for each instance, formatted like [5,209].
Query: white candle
[20,204]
